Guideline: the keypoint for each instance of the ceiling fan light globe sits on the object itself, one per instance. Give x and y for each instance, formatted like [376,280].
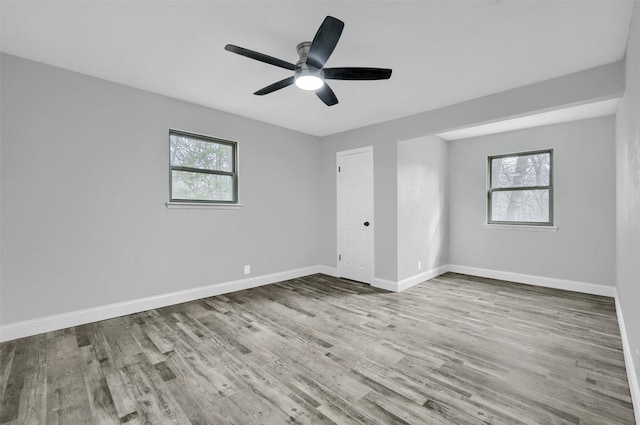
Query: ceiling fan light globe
[309,82]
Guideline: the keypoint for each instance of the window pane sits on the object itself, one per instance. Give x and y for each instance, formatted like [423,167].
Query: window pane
[519,171]
[520,205]
[195,153]
[201,187]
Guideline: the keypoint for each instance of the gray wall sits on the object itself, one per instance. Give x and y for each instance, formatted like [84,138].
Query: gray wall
[84,180]
[422,205]
[628,192]
[583,249]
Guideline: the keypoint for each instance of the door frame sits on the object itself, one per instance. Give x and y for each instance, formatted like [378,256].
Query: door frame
[373,233]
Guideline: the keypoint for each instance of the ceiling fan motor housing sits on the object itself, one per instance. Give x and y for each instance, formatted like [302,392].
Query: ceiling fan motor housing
[301,66]
[303,52]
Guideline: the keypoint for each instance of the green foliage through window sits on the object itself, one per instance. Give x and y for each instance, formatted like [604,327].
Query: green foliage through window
[203,169]
[520,188]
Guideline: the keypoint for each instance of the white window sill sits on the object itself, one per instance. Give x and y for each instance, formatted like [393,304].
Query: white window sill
[202,206]
[521,227]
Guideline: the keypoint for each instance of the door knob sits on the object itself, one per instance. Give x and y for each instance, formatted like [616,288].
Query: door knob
[366,224]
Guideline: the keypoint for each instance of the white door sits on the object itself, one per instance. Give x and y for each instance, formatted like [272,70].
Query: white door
[355,214]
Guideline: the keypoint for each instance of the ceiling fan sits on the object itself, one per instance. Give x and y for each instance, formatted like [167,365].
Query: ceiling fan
[309,71]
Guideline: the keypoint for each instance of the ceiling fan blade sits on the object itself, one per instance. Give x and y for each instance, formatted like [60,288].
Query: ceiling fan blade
[327,95]
[275,86]
[259,57]
[352,73]
[324,42]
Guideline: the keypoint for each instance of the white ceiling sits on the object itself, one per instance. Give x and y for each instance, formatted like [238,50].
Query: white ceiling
[441,52]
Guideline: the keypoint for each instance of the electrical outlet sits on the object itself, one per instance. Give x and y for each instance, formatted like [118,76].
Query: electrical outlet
[419,265]
[247,269]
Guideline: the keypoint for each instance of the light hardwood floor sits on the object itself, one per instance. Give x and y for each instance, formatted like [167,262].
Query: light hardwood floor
[319,350]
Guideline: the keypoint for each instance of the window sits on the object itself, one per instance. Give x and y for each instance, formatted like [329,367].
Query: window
[521,188]
[203,169]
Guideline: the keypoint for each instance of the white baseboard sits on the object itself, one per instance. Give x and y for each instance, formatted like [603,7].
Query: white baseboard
[330,271]
[388,285]
[548,282]
[407,283]
[634,388]
[385,284]
[80,317]
[421,277]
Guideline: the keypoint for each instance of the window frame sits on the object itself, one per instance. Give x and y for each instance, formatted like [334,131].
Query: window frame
[233,173]
[491,189]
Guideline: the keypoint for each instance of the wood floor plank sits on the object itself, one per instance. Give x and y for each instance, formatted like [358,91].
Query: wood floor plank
[10,403]
[102,406]
[146,344]
[457,349]
[66,396]
[7,351]
[33,405]
[124,402]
